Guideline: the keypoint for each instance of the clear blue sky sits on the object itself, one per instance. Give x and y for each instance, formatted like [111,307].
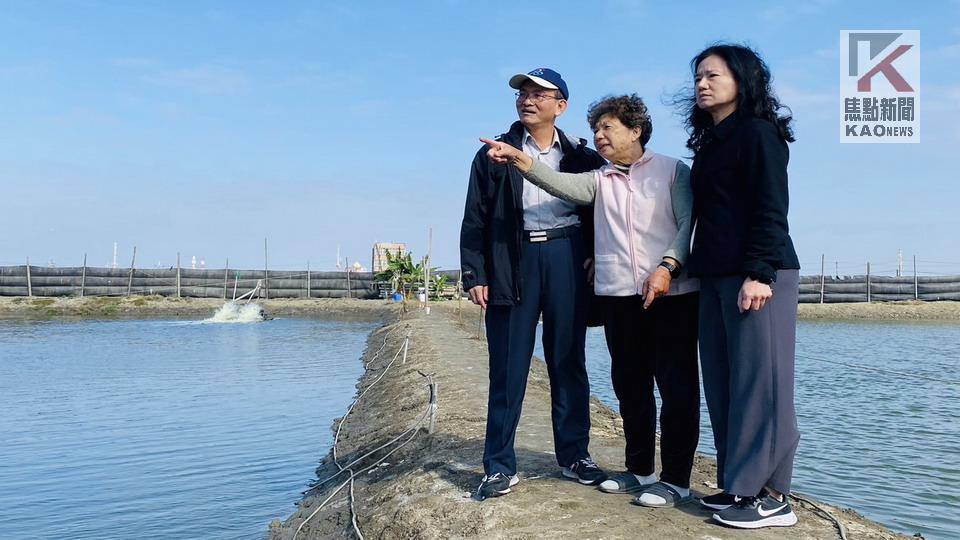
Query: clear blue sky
[202,127]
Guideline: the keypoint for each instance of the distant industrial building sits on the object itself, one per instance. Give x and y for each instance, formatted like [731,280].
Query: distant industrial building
[380,250]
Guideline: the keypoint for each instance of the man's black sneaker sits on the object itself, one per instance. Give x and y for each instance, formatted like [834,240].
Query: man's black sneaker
[719,501]
[495,485]
[585,471]
[758,512]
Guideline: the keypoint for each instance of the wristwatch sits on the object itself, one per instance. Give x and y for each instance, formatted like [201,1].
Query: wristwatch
[672,268]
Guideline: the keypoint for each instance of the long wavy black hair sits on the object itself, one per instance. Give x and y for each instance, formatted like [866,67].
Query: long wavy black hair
[755,95]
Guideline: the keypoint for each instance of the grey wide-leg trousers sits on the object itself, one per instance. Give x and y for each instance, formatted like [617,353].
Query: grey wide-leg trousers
[747,361]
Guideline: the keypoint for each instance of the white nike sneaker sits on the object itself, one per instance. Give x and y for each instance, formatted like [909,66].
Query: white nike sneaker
[758,512]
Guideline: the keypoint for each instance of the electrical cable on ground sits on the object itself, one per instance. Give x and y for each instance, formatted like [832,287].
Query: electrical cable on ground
[353,513]
[412,433]
[824,512]
[343,418]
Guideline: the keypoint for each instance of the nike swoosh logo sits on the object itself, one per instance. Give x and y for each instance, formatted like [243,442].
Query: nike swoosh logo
[768,513]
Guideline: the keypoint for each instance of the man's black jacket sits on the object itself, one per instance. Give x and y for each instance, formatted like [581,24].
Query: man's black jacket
[490,235]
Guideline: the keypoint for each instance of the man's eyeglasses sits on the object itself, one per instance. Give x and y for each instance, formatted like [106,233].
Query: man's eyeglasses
[536,97]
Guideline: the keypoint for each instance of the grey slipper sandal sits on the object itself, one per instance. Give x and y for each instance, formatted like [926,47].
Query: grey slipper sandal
[626,483]
[665,492]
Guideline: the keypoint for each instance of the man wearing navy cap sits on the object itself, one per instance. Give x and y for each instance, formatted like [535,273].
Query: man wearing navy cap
[522,253]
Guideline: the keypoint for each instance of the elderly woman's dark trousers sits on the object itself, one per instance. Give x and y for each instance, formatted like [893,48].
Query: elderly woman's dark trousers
[659,345]
[553,284]
[748,374]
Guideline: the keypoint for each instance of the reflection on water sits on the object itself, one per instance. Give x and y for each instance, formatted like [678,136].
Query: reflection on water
[166,429]
[878,407]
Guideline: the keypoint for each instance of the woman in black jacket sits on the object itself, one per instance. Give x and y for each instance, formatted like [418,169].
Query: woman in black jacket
[749,277]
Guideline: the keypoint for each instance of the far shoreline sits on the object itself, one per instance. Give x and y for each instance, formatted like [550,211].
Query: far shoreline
[159,307]
[375,310]
[944,311]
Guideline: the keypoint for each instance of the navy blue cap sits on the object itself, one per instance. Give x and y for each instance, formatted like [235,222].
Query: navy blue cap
[544,77]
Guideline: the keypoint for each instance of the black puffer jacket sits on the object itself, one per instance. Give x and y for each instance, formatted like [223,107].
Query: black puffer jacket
[490,235]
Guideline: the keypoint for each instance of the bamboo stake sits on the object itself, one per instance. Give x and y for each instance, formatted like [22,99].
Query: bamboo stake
[308,279]
[868,282]
[266,275]
[433,407]
[426,272]
[133,262]
[916,283]
[349,285]
[821,277]
[83,276]
[178,275]
[226,275]
[29,284]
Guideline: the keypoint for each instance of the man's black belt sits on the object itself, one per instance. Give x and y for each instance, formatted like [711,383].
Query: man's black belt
[551,234]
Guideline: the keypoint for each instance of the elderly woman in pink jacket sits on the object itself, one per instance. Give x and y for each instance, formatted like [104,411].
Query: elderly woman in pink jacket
[642,206]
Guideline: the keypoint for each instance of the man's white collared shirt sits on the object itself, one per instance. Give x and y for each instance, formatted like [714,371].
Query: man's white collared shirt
[542,211]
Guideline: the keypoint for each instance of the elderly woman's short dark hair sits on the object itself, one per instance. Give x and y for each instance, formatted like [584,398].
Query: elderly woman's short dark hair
[630,110]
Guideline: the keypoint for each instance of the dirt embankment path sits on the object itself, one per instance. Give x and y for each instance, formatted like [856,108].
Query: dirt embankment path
[424,489]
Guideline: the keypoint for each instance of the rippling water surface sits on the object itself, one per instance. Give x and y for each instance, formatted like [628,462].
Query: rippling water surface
[879,411]
[166,429]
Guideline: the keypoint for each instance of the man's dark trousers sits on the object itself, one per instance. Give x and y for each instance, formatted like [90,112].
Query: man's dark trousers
[554,283]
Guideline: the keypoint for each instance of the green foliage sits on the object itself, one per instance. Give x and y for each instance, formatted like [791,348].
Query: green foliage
[402,273]
[439,283]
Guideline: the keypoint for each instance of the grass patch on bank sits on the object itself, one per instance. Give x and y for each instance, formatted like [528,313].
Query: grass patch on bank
[99,305]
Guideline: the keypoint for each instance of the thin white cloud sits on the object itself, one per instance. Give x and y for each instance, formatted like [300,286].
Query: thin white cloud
[24,71]
[793,96]
[947,52]
[635,80]
[627,9]
[208,80]
[87,117]
[786,12]
[319,77]
[939,98]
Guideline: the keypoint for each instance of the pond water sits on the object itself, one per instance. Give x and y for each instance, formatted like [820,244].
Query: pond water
[878,406]
[166,429]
